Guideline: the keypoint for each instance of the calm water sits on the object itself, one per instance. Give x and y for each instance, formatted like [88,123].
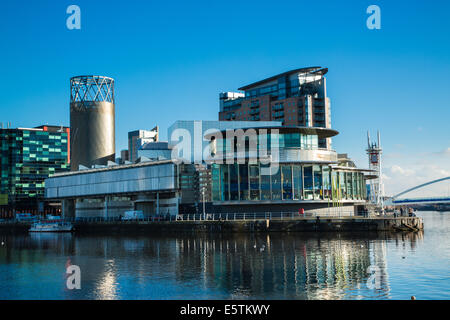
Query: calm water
[276,266]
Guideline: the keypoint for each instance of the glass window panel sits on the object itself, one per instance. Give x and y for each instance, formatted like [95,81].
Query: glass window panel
[363,188]
[254,182]
[276,183]
[326,182]
[243,180]
[342,185]
[234,182]
[357,185]
[263,144]
[265,183]
[298,182]
[281,141]
[296,140]
[308,182]
[286,175]
[318,194]
[215,177]
[335,192]
[348,183]
[224,182]
[315,142]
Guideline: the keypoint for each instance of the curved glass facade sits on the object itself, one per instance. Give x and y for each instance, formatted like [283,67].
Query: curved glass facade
[280,140]
[244,182]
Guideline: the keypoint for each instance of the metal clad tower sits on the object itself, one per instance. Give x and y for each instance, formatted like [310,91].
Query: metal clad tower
[92,121]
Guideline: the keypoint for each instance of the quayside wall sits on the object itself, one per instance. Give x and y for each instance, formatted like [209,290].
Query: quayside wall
[356,224]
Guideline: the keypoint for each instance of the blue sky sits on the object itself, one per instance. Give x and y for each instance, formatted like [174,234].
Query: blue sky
[170,60]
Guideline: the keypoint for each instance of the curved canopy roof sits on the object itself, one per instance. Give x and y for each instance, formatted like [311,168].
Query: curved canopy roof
[310,70]
[320,132]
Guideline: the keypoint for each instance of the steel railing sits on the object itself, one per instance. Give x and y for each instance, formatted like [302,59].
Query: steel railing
[201,217]
[239,216]
[194,217]
[120,219]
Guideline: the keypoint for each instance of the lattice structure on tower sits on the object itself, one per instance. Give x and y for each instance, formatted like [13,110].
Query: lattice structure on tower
[374,151]
[91,89]
[92,121]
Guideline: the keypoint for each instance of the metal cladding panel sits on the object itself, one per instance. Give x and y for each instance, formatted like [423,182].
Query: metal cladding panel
[129,180]
[302,155]
[92,133]
[51,192]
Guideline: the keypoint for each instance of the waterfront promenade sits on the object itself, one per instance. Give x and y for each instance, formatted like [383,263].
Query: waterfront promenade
[249,223]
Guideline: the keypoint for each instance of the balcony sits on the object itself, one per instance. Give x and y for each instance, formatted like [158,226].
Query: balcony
[254,104]
[319,124]
[319,110]
[230,116]
[232,102]
[278,107]
[278,114]
[319,118]
[319,102]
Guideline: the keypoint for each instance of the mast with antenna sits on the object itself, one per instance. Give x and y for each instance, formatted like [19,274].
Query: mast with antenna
[374,152]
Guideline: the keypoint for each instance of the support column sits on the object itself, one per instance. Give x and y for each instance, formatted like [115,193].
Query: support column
[157,203]
[105,214]
[68,208]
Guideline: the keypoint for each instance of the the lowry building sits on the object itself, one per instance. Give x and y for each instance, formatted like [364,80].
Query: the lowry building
[283,169]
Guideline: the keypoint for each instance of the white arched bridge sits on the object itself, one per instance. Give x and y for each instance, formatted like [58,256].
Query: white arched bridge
[425,200]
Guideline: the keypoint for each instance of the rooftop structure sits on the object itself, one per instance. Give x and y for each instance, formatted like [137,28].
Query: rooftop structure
[137,138]
[92,120]
[155,151]
[295,98]
[304,75]
[190,136]
[124,156]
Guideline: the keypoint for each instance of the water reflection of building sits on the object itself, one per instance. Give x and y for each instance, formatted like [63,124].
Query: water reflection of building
[282,267]
[301,266]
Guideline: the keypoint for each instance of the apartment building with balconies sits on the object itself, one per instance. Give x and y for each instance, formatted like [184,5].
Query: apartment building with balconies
[296,98]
